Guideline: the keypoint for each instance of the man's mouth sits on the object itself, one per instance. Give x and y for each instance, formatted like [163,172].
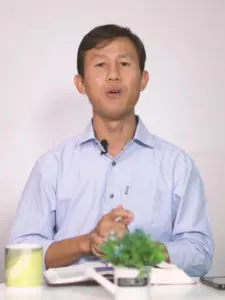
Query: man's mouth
[114,92]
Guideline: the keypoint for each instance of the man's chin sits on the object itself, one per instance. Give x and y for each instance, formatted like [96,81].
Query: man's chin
[116,116]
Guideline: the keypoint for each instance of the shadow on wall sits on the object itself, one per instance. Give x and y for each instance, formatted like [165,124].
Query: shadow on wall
[63,115]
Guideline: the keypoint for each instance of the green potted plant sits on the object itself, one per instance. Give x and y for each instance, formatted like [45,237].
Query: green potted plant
[134,250]
[132,255]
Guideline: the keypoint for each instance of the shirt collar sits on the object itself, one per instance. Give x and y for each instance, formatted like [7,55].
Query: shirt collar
[142,135]
[87,135]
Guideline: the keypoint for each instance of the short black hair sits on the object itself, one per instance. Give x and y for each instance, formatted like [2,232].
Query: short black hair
[104,34]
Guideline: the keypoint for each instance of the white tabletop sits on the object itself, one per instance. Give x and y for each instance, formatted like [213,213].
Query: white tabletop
[198,291]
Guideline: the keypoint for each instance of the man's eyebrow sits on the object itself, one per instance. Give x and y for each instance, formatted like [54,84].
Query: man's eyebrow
[121,55]
[98,56]
[126,55]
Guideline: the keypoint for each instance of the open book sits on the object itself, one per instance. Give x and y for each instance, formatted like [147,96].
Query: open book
[162,274]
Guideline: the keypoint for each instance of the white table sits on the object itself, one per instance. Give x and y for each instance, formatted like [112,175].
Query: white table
[198,291]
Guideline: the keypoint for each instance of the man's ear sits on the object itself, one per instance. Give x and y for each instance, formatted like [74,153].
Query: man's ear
[144,80]
[79,83]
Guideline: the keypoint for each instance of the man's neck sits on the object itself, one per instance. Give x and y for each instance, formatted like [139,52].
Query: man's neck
[117,133]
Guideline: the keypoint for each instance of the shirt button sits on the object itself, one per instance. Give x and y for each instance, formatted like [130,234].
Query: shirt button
[111,195]
[113,163]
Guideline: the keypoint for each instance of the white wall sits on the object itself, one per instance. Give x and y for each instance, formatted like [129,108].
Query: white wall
[184,103]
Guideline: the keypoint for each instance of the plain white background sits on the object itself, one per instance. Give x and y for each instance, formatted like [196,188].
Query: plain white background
[184,102]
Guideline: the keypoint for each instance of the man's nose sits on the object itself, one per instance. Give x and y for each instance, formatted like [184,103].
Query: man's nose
[113,73]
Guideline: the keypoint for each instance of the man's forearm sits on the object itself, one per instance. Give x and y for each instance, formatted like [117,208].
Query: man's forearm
[65,252]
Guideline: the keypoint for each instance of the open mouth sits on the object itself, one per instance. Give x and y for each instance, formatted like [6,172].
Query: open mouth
[114,93]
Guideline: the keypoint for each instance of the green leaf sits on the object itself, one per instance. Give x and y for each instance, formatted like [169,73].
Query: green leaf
[135,250]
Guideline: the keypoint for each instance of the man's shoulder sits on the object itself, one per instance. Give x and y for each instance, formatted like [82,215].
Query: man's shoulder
[166,147]
[62,151]
[172,153]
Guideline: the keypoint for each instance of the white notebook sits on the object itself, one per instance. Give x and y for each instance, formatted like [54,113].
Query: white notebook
[162,274]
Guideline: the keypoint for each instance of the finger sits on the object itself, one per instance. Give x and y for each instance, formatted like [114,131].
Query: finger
[125,221]
[96,252]
[95,242]
[119,213]
[119,206]
[96,239]
[116,228]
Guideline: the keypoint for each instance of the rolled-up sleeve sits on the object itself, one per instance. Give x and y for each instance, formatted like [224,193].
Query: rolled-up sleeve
[35,217]
[191,245]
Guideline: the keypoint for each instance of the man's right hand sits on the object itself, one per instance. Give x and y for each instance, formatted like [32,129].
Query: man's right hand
[63,253]
[115,221]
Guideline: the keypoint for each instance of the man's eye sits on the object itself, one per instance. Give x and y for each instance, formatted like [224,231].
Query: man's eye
[124,64]
[100,65]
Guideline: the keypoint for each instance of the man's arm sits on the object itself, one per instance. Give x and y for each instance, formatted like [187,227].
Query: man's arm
[35,217]
[69,250]
[191,246]
[65,252]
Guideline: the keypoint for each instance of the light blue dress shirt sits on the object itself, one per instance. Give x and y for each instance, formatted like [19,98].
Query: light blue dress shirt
[72,186]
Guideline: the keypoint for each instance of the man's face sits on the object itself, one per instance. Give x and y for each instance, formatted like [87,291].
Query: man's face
[112,79]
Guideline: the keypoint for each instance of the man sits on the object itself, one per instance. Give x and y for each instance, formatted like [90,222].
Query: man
[115,176]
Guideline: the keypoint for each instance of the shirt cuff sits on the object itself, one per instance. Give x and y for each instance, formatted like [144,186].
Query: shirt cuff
[176,253]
